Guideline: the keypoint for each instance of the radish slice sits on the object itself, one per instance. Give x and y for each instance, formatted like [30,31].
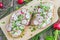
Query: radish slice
[44,25]
[24,10]
[36,22]
[24,22]
[48,21]
[28,15]
[14,17]
[49,14]
[39,18]
[8,28]
[16,34]
[40,10]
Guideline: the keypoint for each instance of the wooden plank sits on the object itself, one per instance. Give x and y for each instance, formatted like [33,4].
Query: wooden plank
[28,34]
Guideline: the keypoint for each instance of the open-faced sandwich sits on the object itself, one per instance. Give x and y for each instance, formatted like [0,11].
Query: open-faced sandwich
[18,21]
[42,14]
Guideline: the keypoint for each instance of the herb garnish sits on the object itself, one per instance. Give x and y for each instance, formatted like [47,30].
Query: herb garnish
[33,29]
[2,22]
[20,17]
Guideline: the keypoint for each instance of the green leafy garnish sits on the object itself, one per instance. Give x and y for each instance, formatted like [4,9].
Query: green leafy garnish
[13,32]
[41,24]
[14,24]
[46,8]
[27,0]
[59,32]
[43,15]
[21,29]
[33,29]
[49,38]
[30,12]
[20,17]
[17,28]
[2,22]
[17,8]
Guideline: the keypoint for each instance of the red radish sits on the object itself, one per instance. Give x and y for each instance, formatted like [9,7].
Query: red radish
[20,1]
[22,12]
[1,5]
[56,26]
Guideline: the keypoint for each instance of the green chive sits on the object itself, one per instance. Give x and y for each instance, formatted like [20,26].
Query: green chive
[2,22]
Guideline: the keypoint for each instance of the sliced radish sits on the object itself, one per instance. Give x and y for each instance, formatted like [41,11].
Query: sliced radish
[8,28]
[18,13]
[19,32]
[49,14]
[24,22]
[22,26]
[28,15]
[24,10]
[40,10]
[35,22]
[37,15]
[44,25]
[39,18]
[48,21]
[14,17]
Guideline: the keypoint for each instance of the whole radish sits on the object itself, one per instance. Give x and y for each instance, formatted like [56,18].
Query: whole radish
[20,1]
[1,5]
[56,26]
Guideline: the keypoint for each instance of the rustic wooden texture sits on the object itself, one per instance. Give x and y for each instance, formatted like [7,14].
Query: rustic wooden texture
[28,32]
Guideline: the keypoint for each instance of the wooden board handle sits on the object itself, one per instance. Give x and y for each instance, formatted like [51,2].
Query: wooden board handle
[57,3]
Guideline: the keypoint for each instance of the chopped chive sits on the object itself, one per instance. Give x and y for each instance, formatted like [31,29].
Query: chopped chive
[31,35]
[21,36]
[21,29]
[33,29]
[20,17]
[29,27]
[17,8]
[45,8]
[2,22]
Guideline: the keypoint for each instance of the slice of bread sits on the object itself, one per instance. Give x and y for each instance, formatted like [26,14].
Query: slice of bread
[18,22]
[42,14]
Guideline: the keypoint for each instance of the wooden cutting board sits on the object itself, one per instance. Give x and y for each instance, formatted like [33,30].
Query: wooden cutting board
[28,34]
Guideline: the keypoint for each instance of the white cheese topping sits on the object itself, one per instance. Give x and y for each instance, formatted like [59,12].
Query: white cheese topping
[40,10]
[39,18]
[16,34]
[49,14]
[44,25]
[18,23]
[35,22]
[19,32]
[51,6]
[18,13]
[48,21]
[14,17]
[8,28]
[45,13]
[37,15]
[24,21]
[28,15]
[22,26]
[24,10]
